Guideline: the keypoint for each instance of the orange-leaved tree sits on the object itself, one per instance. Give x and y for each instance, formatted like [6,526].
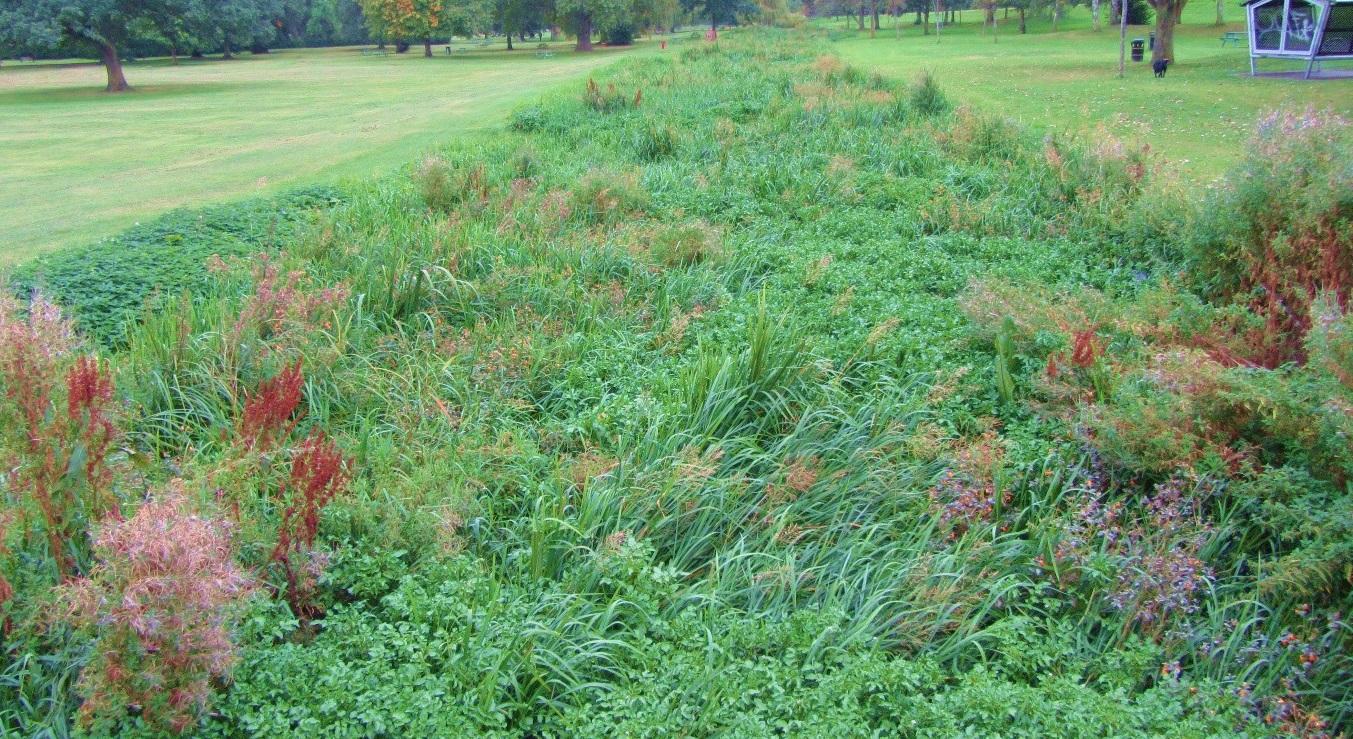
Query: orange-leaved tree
[405,19]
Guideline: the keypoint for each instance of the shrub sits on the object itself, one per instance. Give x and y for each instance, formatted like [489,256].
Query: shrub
[159,606]
[620,34]
[1139,12]
[529,119]
[655,141]
[605,196]
[686,243]
[610,99]
[444,186]
[926,98]
[1281,231]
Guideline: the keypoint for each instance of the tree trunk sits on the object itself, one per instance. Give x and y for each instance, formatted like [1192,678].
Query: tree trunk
[585,33]
[1056,13]
[995,27]
[713,25]
[509,41]
[1220,20]
[1094,10]
[1023,28]
[1122,39]
[861,16]
[427,47]
[226,48]
[117,82]
[876,17]
[1167,17]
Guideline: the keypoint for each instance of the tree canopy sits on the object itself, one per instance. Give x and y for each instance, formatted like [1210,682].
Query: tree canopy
[725,11]
[104,26]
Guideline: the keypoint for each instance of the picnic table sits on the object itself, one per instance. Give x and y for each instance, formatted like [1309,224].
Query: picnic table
[544,53]
[1232,38]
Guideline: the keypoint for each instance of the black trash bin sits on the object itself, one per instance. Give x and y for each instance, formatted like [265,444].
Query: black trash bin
[1151,41]
[1137,45]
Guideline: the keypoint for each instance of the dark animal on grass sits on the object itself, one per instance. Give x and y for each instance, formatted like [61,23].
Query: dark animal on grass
[1160,65]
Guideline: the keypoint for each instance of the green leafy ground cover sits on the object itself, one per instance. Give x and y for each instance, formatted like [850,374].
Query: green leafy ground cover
[744,394]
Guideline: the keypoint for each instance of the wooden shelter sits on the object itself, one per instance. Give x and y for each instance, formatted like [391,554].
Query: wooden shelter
[1305,30]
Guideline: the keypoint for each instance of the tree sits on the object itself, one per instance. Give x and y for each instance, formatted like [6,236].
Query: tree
[405,19]
[104,26]
[1167,17]
[583,16]
[232,24]
[729,10]
[520,17]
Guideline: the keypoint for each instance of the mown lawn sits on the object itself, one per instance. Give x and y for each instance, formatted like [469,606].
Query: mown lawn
[1198,116]
[80,164]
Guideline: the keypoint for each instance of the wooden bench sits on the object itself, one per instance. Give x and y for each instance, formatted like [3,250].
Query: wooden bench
[374,52]
[1232,38]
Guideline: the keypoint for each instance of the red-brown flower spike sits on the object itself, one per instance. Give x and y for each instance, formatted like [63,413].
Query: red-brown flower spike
[268,413]
[319,473]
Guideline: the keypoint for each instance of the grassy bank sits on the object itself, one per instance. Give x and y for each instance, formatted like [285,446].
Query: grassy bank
[81,164]
[1198,116]
[743,393]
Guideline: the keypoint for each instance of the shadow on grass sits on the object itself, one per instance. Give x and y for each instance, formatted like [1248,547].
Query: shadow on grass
[44,95]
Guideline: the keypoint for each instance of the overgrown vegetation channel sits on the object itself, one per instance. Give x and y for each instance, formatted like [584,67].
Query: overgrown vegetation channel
[740,393]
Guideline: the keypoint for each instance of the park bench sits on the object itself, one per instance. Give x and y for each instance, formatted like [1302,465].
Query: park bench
[1232,38]
[27,59]
[544,53]
[374,52]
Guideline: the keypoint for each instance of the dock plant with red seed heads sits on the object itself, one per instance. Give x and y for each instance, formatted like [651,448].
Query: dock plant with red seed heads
[270,412]
[319,473]
[60,419]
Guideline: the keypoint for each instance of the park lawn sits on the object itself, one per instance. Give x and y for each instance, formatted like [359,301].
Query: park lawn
[80,165]
[1198,116]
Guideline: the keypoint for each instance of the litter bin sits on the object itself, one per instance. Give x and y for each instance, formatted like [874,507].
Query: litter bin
[1137,45]
[1151,41]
